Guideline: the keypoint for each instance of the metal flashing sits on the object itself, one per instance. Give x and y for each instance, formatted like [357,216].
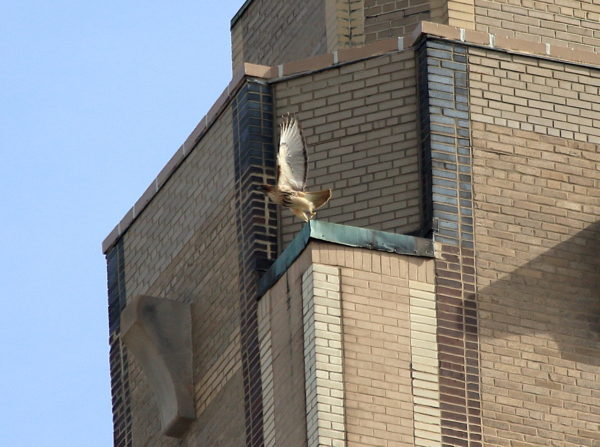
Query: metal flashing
[240,13]
[347,235]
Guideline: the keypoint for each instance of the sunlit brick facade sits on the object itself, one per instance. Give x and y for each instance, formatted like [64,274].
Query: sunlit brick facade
[449,293]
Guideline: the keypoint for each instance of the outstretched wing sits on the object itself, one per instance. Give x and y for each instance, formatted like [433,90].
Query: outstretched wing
[292,160]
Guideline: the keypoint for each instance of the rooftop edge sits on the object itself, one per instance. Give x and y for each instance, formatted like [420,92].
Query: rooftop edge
[240,13]
[343,235]
[275,73]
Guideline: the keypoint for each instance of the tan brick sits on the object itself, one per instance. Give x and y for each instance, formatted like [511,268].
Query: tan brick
[359,131]
[373,360]
[530,168]
[296,40]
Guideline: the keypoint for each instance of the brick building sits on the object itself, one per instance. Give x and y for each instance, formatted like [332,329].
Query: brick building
[449,293]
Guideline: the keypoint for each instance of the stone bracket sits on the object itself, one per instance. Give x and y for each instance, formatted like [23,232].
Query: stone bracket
[159,333]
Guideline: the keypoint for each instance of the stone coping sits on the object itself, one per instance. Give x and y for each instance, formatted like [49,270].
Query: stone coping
[337,58]
[343,235]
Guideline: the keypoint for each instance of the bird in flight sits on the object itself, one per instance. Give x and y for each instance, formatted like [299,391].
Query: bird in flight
[292,170]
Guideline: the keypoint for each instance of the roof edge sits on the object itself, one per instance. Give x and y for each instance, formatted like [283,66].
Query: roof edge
[349,236]
[479,39]
[247,71]
[238,15]
[503,42]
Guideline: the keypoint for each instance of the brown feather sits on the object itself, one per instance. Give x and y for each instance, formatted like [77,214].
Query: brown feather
[318,198]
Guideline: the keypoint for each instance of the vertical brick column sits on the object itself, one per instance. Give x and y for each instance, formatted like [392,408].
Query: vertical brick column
[345,24]
[447,166]
[424,363]
[461,13]
[266,369]
[324,382]
[257,232]
[119,371]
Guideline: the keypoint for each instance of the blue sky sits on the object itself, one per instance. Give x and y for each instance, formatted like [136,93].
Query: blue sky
[95,97]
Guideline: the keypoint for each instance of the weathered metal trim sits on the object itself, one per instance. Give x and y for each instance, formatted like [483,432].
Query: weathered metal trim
[343,235]
[371,239]
[240,13]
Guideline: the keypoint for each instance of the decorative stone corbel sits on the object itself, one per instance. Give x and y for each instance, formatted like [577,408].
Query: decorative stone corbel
[159,333]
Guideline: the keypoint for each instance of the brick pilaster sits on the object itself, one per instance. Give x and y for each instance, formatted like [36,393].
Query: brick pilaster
[323,365]
[447,174]
[119,370]
[257,232]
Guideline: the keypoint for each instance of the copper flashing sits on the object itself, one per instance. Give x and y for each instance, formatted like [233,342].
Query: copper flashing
[344,235]
[240,13]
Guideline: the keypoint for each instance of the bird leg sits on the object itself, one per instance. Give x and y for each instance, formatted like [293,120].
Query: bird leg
[299,213]
[311,210]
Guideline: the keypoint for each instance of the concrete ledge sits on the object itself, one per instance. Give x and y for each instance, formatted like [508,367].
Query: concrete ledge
[158,332]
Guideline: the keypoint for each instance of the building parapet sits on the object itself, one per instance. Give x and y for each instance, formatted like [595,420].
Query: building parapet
[335,59]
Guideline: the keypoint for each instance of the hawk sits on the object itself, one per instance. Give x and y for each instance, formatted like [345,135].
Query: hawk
[292,170]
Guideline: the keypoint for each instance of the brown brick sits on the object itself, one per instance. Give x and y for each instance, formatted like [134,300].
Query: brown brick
[253,33]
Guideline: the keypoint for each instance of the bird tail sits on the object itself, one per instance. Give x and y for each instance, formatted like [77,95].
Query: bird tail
[318,198]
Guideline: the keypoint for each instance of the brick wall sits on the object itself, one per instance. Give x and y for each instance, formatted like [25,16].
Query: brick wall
[377,351]
[323,356]
[271,32]
[119,364]
[424,353]
[460,13]
[183,246]
[280,313]
[574,23]
[389,401]
[360,124]
[550,98]
[393,18]
[447,155]
[266,369]
[510,349]
[345,21]
[254,157]
[351,359]
[537,206]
